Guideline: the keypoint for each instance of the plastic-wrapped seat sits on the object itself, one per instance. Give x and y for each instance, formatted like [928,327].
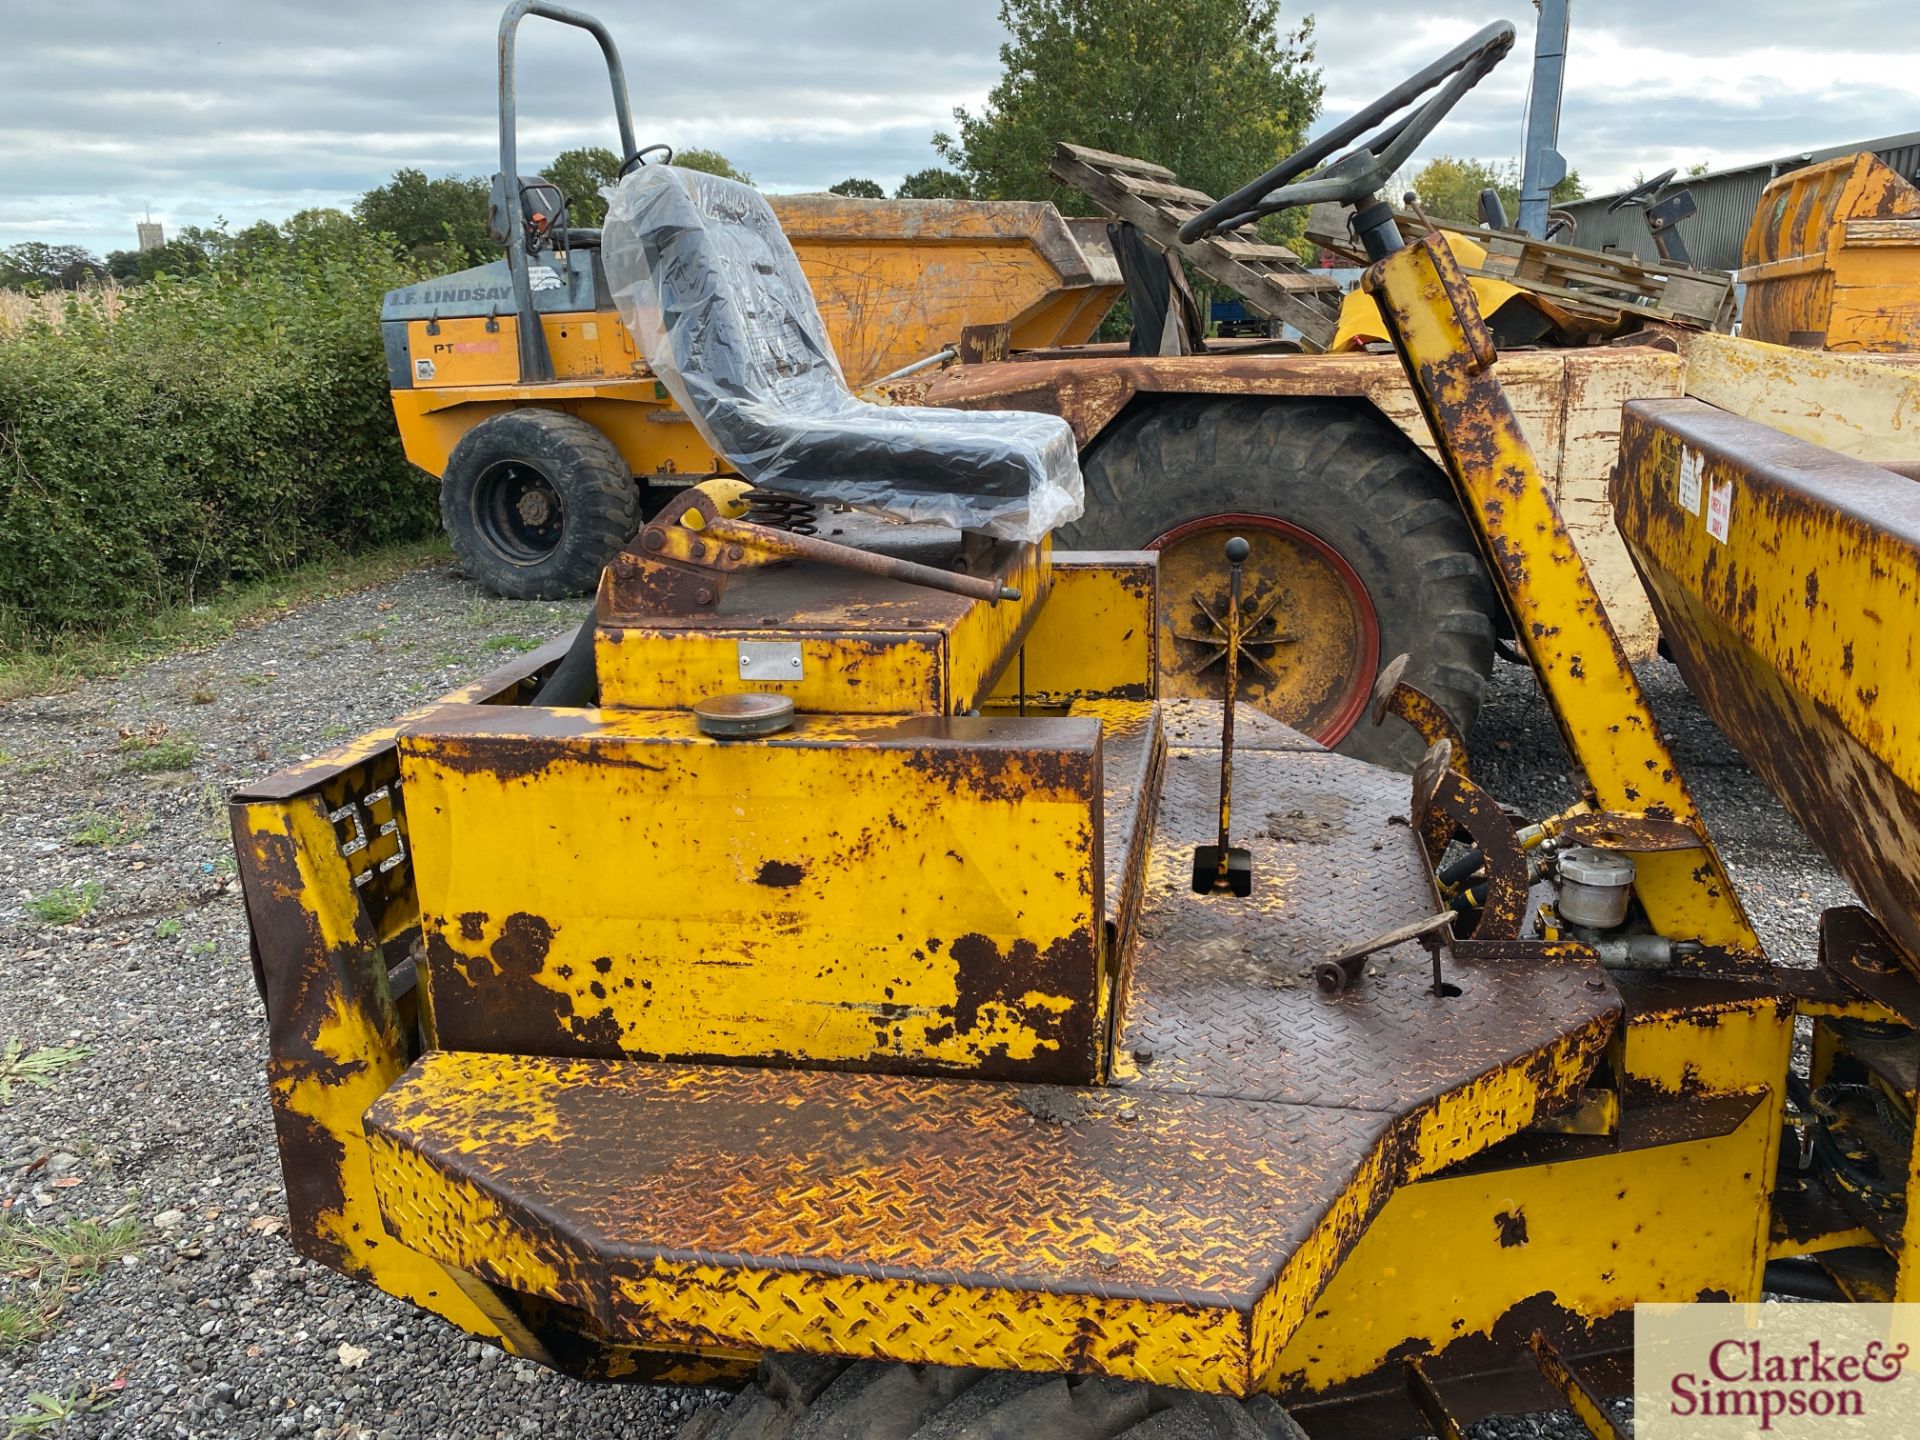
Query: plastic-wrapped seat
[705,278]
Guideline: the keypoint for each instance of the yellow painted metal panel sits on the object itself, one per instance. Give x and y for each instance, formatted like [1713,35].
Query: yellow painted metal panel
[1460,1258]
[475,350]
[912,894]
[652,437]
[1697,1045]
[1096,638]
[1788,578]
[876,673]
[867,646]
[1867,408]
[337,1046]
[898,280]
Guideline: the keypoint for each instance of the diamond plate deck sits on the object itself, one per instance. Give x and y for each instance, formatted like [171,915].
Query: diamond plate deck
[1175,1226]
[1222,999]
[1175,1238]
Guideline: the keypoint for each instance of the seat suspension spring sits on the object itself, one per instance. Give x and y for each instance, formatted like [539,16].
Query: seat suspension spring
[781,511]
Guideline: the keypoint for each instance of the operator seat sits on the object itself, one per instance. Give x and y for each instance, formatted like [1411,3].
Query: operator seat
[706,280]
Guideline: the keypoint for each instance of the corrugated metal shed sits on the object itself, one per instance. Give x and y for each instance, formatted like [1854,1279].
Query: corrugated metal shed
[1726,199]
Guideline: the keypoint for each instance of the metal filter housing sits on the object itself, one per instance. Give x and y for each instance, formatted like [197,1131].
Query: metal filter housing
[1595,886]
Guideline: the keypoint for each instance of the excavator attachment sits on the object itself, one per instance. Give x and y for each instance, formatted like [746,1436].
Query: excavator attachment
[1832,259]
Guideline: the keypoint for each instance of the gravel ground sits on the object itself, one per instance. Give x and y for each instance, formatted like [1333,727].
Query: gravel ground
[214,1328]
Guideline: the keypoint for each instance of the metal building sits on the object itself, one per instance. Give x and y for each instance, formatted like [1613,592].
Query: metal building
[1726,199]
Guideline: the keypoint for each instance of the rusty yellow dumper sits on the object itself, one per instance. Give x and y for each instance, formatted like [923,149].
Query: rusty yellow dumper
[812,980]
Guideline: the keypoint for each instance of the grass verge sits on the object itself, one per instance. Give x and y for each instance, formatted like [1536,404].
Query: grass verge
[43,1266]
[28,668]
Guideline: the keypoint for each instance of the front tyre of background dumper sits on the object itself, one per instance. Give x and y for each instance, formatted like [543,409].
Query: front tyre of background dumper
[536,502]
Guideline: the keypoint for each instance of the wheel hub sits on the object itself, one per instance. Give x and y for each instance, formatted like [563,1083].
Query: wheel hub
[517,512]
[535,507]
[1310,641]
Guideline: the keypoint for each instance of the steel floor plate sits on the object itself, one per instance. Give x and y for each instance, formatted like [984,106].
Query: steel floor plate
[1222,999]
[1174,1238]
[1175,1226]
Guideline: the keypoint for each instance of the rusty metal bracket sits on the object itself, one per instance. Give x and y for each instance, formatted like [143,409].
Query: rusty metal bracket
[1587,1407]
[1629,831]
[682,559]
[1393,695]
[1444,801]
[1857,952]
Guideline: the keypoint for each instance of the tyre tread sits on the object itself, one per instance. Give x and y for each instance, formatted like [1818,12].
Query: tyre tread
[879,1400]
[1320,463]
[598,492]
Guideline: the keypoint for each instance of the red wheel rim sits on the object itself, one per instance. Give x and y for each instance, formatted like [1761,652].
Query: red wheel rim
[1324,692]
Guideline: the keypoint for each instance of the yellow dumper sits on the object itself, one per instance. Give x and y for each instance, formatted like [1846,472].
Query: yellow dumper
[542,480]
[846,974]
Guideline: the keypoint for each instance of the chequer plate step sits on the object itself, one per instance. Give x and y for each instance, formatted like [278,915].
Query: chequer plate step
[1220,997]
[1170,1238]
[1174,1227]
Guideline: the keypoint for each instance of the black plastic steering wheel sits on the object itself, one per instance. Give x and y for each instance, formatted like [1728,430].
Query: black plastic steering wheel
[639,158]
[1357,175]
[1643,193]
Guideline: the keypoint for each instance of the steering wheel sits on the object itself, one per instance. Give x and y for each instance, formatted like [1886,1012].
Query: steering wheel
[639,157]
[1357,175]
[1644,192]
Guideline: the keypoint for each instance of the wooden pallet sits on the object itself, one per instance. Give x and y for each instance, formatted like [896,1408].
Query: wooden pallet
[1270,278]
[1594,286]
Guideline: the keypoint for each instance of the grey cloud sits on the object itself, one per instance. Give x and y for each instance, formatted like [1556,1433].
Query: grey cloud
[248,109]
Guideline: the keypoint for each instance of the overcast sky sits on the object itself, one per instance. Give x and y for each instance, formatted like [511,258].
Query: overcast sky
[257,108]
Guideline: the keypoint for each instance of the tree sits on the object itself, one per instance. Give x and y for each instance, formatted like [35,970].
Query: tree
[34,264]
[1449,188]
[858,189]
[322,226]
[1213,89]
[712,162]
[580,174]
[418,212]
[178,256]
[934,183]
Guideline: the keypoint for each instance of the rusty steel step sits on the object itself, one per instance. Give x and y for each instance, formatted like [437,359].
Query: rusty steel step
[1173,1226]
[1170,1238]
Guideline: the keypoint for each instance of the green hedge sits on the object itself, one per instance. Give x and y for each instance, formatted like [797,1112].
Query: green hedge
[216,430]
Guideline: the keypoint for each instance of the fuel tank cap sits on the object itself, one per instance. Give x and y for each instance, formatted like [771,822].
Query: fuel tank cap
[743,715]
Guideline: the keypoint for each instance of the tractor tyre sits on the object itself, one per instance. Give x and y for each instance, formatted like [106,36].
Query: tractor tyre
[1360,553]
[800,1397]
[536,502]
